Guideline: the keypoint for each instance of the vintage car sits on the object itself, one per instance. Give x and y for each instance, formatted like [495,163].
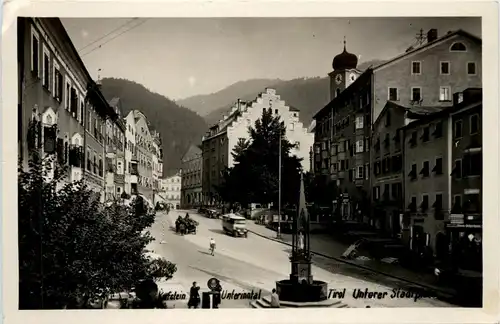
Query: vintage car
[234,225]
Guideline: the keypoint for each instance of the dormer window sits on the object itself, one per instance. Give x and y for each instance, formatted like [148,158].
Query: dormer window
[458,47]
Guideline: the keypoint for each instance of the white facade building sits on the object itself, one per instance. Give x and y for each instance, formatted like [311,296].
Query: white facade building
[296,132]
[131,173]
[171,190]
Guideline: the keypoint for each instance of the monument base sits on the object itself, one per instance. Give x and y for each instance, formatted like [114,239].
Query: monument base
[293,291]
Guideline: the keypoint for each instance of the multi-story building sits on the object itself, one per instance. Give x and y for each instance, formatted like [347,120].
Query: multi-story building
[434,181]
[191,188]
[387,169]
[171,188]
[115,153]
[131,167]
[425,178]
[466,217]
[342,132]
[423,76]
[143,149]
[157,161]
[219,142]
[61,109]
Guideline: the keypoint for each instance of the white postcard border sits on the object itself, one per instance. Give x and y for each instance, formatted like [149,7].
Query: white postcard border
[487,10]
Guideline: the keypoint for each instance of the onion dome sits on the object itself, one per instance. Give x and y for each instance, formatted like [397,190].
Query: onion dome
[345,60]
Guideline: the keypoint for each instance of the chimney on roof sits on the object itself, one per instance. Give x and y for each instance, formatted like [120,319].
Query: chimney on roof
[98,82]
[432,35]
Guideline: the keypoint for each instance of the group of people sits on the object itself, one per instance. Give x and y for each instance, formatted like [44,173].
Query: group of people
[184,225]
[195,299]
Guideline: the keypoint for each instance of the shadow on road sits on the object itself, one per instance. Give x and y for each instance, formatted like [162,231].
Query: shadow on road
[217,231]
[204,252]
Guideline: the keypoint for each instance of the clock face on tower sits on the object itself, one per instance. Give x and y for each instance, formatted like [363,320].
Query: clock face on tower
[352,76]
[338,78]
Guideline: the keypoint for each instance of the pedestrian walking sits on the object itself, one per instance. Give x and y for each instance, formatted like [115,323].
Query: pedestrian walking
[194,296]
[275,299]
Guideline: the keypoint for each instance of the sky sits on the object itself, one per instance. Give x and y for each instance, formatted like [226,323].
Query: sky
[182,57]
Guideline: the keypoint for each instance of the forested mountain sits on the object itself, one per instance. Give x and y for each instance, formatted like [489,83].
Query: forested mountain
[307,94]
[179,127]
[206,104]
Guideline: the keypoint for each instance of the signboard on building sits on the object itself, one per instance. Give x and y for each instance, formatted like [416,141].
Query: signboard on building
[456,219]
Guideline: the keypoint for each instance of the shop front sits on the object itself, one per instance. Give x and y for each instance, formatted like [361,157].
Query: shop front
[465,235]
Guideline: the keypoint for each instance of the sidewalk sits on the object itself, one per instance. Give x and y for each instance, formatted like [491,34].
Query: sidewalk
[325,246]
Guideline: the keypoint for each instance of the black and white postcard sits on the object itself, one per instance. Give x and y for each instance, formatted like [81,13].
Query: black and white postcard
[243,162]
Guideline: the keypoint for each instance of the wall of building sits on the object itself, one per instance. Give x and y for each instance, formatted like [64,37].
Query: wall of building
[386,168]
[434,183]
[296,132]
[215,160]
[171,190]
[191,187]
[223,138]
[467,149]
[130,153]
[399,74]
[145,156]
[57,91]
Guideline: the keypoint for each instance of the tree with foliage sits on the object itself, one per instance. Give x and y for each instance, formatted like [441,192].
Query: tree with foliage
[320,190]
[254,177]
[74,249]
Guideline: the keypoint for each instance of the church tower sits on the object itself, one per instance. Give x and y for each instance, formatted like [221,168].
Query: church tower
[344,72]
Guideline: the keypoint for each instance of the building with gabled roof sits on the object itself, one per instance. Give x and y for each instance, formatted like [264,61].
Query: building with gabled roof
[222,137]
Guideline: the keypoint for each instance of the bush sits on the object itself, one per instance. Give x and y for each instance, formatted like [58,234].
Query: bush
[72,248]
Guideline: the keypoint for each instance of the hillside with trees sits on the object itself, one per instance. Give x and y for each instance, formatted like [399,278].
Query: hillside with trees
[179,127]
[208,103]
[307,94]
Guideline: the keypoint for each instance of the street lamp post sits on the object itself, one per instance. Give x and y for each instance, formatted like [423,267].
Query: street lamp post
[278,233]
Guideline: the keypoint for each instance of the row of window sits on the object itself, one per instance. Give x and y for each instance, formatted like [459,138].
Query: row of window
[276,112]
[52,78]
[444,68]
[388,165]
[426,134]
[146,182]
[171,188]
[417,95]
[469,202]
[94,162]
[395,193]
[425,171]
[192,180]
[360,146]
[458,128]
[424,204]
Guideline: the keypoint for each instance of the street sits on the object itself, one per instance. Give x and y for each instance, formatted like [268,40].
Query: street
[254,263]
